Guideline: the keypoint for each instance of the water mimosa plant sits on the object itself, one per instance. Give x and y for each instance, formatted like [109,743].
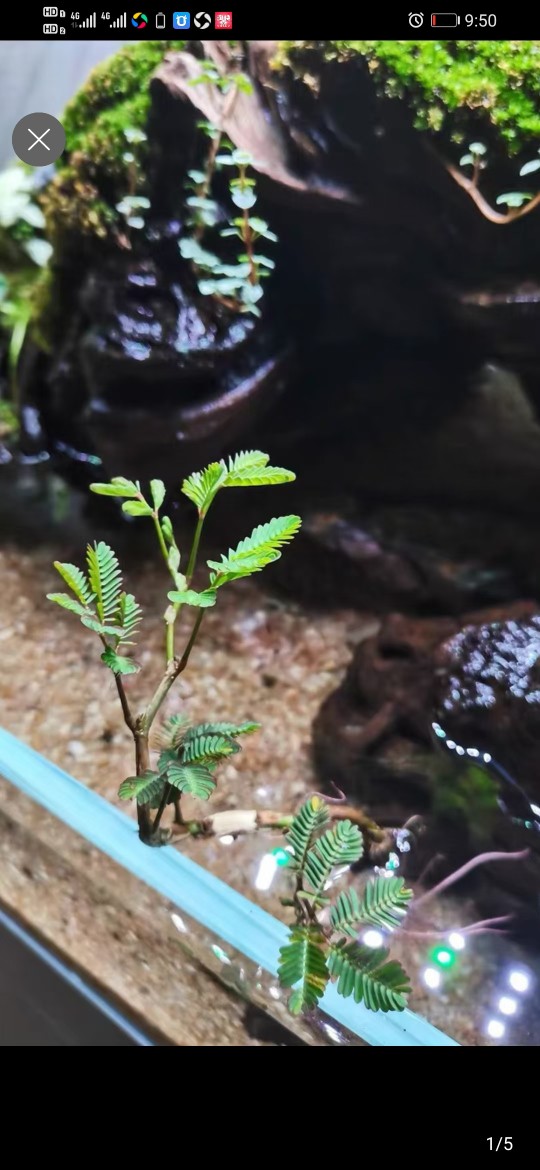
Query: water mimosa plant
[324,940]
[189,755]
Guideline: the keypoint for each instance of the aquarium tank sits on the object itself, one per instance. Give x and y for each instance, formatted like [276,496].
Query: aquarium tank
[270,472]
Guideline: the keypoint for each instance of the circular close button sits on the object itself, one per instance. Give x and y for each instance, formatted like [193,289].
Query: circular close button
[38,139]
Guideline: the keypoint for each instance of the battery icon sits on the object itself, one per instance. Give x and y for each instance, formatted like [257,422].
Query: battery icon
[444,20]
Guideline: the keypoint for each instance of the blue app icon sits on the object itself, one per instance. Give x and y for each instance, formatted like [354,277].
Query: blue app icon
[181,19]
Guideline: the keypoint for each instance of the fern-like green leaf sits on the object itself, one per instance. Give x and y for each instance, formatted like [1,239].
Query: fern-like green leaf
[105,579]
[346,914]
[117,487]
[172,732]
[309,820]
[303,961]
[190,597]
[117,663]
[222,728]
[367,975]
[167,757]
[208,749]
[254,552]
[127,617]
[76,581]
[193,779]
[249,469]
[145,788]
[202,486]
[385,902]
[343,844]
[68,602]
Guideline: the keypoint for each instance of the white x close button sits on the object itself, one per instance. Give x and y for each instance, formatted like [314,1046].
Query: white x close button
[38,139]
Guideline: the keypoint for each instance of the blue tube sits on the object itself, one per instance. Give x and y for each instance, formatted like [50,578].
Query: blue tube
[207,899]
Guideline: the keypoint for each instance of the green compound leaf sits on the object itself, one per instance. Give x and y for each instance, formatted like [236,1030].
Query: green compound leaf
[384,903]
[303,961]
[309,820]
[105,579]
[343,844]
[76,581]
[144,788]
[256,551]
[202,486]
[208,749]
[193,779]
[128,615]
[367,975]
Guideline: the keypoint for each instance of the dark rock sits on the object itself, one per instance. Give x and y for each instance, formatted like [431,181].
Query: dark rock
[487,695]
[373,739]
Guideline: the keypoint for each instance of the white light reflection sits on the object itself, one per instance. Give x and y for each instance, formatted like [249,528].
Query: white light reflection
[507,1005]
[266,872]
[332,1033]
[372,938]
[220,954]
[456,940]
[495,1029]
[275,993]
[227,839]
[179,923]
[486,758]
[535,809]
[519,980]
[432,978]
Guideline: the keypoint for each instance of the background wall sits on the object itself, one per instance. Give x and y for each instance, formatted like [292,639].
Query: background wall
[38,76]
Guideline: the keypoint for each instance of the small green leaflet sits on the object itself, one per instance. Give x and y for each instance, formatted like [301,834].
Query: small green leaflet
[117,487]
[117,663]
[190,597]
[157,488]
[137,508]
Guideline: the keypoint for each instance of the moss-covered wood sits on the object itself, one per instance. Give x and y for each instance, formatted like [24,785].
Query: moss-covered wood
[446,82]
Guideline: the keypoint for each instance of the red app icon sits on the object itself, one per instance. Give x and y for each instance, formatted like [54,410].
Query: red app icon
[223,20]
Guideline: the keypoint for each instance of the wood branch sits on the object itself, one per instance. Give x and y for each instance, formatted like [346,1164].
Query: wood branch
[236,821]
[246,121]
[482,204]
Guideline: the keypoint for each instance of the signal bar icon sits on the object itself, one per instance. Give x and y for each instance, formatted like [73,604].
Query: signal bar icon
[90,22]
[120,23]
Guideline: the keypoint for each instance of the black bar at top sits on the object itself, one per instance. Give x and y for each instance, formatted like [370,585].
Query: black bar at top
[272,22]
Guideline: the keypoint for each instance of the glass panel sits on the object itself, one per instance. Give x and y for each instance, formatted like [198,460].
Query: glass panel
[263,657]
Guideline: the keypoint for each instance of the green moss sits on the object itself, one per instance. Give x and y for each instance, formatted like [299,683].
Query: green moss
[93,175]
[115,96]
[447,81]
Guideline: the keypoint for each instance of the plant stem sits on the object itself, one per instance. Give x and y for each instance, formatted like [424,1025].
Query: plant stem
[161,538]
[194,549]
[170,639]
[161,808]
[142,761]
[248,244]
[171,674]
